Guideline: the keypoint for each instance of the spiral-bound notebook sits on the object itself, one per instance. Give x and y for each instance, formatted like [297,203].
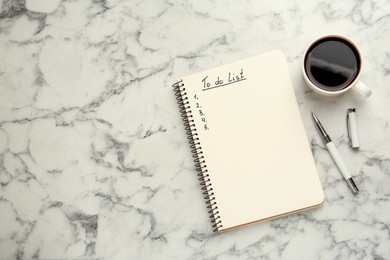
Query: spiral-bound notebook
[249,143]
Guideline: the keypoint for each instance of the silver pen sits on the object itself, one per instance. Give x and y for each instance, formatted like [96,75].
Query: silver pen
[335,154]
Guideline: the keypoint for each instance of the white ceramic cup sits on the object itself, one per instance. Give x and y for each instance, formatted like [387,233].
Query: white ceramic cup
[355,84]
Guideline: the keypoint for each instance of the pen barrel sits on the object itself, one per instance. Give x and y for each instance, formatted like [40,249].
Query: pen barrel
[338,160]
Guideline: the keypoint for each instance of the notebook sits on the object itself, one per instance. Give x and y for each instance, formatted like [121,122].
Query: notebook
[248,141]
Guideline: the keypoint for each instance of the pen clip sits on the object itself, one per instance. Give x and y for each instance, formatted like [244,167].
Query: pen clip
[352,128]
[348,126]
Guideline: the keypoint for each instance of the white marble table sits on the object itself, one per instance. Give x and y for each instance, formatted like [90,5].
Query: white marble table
[94,161]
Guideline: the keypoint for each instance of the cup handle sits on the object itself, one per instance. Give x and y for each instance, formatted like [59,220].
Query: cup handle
[362,89]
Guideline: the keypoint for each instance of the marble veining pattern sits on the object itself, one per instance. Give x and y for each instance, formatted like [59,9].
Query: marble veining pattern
[94,161]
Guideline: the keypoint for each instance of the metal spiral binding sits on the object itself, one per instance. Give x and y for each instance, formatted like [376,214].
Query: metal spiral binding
[196,150]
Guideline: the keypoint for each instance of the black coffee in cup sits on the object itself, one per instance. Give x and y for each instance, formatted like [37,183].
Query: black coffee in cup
[332,63]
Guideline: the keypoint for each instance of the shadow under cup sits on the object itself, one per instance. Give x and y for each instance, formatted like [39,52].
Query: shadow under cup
[332,63]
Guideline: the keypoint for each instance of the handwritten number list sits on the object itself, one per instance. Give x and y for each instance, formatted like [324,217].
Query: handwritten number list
[200,111]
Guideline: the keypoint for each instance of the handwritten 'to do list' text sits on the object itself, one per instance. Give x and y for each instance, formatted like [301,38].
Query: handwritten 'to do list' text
[220,81]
